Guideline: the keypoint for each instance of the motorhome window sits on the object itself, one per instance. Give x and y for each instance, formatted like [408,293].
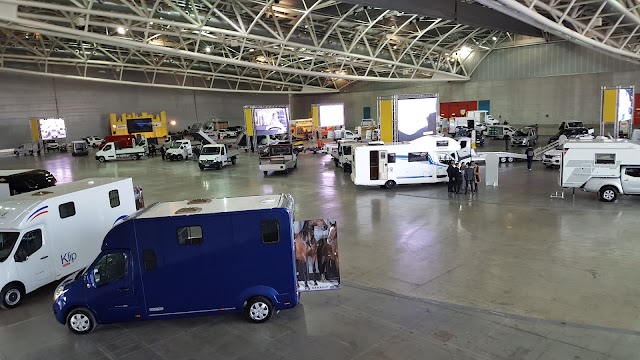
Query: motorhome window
[633,172]
[270,230]
[67,210]
[346,150]
[391,158]
[421,156]
[109,268]
[442,143]
[29,244]
[605,158]
[114,198]
[280,150]
[149,260]
[211,150]
[189,235]
[7,242]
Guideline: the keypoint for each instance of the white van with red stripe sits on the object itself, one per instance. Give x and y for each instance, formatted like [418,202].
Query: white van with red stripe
[48,234]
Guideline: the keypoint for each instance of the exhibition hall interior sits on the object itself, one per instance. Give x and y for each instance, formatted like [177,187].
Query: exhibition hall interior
[319,179]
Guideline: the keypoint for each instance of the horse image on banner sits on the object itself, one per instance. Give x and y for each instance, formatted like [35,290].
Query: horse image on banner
[317,259]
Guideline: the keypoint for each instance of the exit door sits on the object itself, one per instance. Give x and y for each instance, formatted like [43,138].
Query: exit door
[383,165]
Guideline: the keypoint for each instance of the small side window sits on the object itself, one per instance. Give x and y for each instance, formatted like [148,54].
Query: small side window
[189,235]
[633,172]
[391,158]
[605,158]
[67,210]
[114,198]
[270,230]
[149,260]
[422,156]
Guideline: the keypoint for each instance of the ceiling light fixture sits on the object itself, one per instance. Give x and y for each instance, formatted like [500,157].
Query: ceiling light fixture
[494,38]
[207,49]
[121,30]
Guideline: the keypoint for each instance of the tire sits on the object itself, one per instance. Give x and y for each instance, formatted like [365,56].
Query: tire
[510,159]
[136,157]
[503,160]
[608,194]
[31,152]
[286,170]
[233,161]
[17,153]
[389,184]
[265,173]
[179,158]
[217,166]
[81,321]
[258,310]
[102,159]
[11,296]
[201,167]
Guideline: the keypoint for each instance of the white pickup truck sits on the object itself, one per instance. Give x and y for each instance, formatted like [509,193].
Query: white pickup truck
[113,151]
[216,156]
[280,157]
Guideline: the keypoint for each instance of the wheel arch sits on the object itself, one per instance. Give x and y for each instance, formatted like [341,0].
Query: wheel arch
[266,291]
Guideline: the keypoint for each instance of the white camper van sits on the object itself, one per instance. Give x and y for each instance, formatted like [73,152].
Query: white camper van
[47,234]
[418,162]
[180,150]
[604,166]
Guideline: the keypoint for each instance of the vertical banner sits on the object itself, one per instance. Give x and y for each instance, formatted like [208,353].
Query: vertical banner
[617,109]
[317,255]
[315,116]
[248,120]
[609,105]
[385,113]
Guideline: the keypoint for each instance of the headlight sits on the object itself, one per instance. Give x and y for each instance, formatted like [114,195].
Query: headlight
[59,292]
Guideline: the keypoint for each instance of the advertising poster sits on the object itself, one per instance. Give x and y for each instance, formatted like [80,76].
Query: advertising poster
[415,117]
[271,121]
[317,256]
[139,125]
[52,129]
[331,115]
[625,104]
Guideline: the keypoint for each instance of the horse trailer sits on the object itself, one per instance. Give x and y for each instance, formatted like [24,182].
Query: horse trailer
[187,258]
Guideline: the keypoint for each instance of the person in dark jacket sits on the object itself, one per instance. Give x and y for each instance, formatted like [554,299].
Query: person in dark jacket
[459,178]
[507,140]
[163,152]
[452,177]
[529,153]
[469,178]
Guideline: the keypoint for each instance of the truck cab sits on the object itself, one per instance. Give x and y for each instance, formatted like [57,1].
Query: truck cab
[216,156]
[180,150]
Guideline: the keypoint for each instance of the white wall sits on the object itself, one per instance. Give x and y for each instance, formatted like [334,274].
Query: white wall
[86,105]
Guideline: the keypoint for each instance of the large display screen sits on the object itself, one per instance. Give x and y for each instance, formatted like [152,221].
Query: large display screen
[269,121]
[52,129]
[331,115]
[139,125]
[416,117]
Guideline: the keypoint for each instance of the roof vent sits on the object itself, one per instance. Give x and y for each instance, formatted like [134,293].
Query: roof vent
[42,193]
[188,210]
[199,201]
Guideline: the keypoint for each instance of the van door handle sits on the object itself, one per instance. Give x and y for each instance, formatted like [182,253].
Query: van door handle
[123,289]
[44,257]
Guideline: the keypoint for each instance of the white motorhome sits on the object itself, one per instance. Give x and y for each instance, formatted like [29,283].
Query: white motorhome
[180,150]
[113,151]
[47,234]
[418,162]
[605,166]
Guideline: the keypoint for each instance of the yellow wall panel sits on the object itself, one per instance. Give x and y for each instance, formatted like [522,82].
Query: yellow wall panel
[248,120]
[609,105]
[386,119]
[315,116]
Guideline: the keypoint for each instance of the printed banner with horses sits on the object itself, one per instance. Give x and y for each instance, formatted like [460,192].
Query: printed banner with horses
[317,260]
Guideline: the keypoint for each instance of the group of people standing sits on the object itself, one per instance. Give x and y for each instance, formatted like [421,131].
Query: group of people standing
[461,173]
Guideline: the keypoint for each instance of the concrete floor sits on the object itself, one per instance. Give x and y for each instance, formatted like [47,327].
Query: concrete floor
[507,273]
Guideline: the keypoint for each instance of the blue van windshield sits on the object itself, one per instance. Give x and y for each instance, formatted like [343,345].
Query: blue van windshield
[7,242]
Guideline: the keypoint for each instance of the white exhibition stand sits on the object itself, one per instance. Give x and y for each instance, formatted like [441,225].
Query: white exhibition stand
[491,163]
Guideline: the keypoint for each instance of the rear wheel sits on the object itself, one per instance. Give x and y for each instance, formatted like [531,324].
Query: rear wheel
[81,321]
[11,295]
[389,184]
[503,160]
[136,156]
[510,159]
[259,309]
[608,193]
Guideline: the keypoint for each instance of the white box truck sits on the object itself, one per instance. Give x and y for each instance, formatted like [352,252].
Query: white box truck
[113,151]
[216,156]
[180,150]
[45,235]
[280,157]
[605,166]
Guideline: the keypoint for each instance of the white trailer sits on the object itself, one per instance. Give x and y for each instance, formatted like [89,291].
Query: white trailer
[605,166]
[45,235]
[346,152]
[216,156]
[418,162]
[280,157]
[113,151]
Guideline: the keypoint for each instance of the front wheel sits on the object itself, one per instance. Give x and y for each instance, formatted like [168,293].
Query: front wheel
[81,321]
[102,159]
[608,194]
[259,309]
[233,161]
[201,167]
[17,153]
[12,295]
[389,184]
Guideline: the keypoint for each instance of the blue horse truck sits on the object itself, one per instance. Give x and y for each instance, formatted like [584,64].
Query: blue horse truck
[187,258]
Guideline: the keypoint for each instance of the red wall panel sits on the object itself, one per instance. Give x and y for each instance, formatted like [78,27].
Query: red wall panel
[453,109]
[636,110]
